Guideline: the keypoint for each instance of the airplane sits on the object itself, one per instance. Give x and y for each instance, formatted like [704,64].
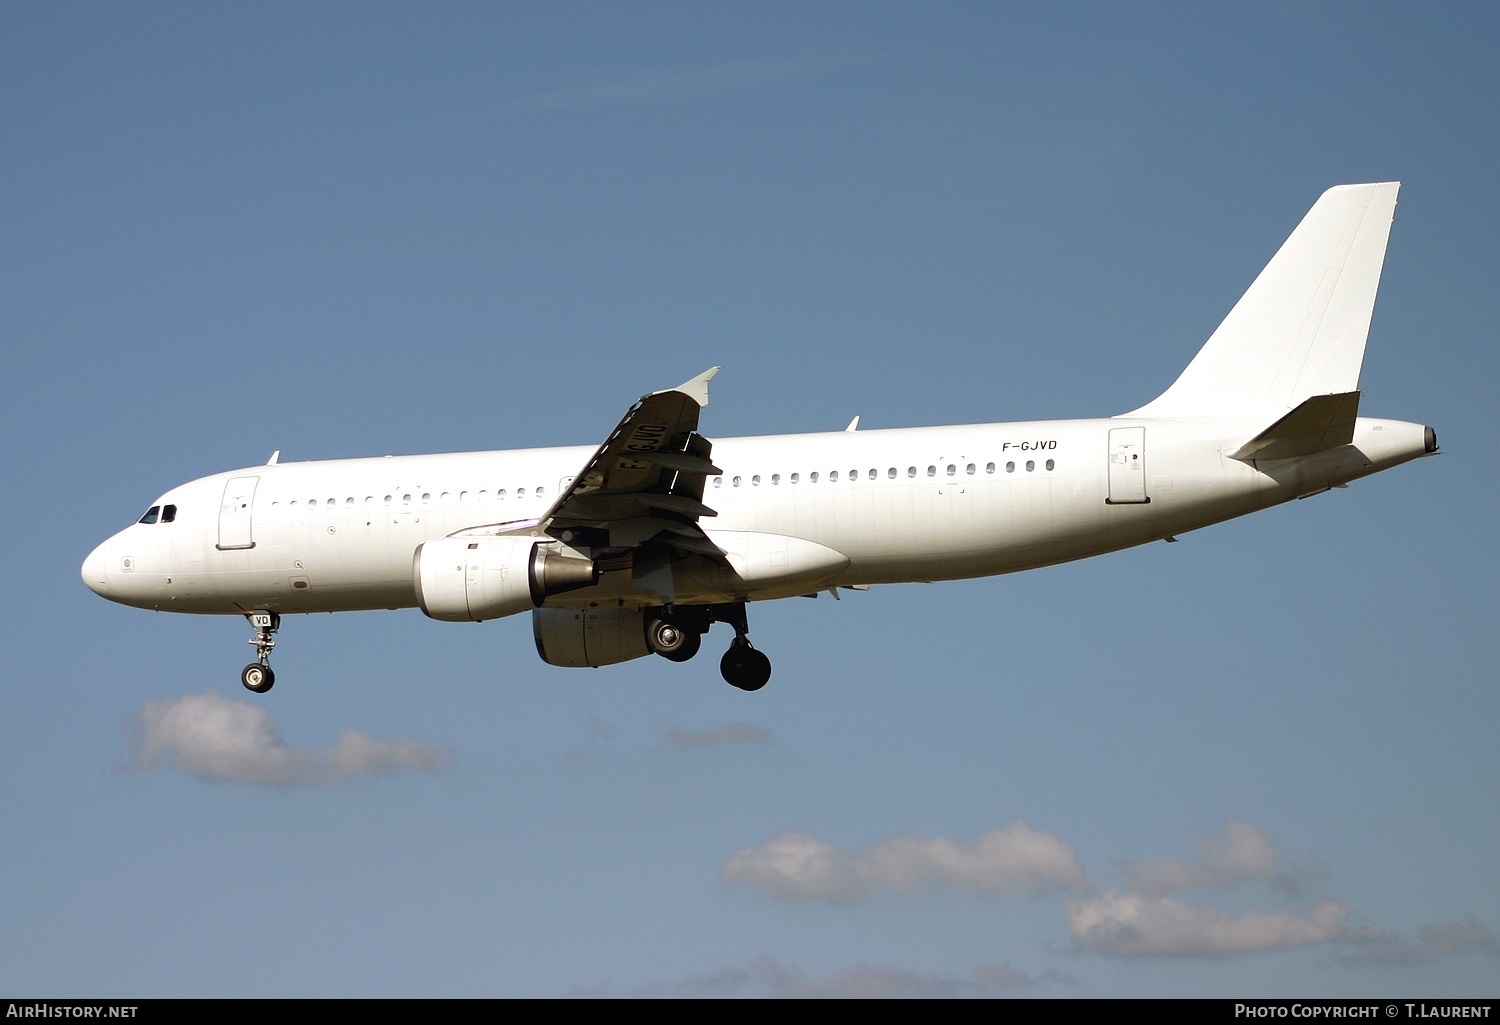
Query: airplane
[638,546]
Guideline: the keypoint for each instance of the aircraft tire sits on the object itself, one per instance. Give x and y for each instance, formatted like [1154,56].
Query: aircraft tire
[686,650]
[257,678]
[744,667]
[669,640]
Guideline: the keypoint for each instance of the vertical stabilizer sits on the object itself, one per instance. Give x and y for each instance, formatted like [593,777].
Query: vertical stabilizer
[1300,330]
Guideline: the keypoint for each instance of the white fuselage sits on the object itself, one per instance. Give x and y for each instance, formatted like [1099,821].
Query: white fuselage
[919,504]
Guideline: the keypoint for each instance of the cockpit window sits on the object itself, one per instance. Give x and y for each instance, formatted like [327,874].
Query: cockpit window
[168,513]
[151,515]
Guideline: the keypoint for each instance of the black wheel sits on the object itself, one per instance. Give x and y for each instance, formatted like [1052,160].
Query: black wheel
[672,641]
[744,667]
[686,650]
[257,677]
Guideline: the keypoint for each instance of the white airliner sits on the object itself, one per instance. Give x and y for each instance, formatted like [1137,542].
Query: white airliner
[635,547]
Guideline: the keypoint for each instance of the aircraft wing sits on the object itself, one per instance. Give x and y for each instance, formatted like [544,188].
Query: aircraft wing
[646,480]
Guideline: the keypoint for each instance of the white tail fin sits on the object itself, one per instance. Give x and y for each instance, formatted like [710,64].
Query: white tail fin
[1300,330]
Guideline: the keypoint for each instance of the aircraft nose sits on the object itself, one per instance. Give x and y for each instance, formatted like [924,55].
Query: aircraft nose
[94,574]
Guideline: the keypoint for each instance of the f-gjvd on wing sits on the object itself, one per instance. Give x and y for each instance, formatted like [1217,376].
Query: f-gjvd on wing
[639,545]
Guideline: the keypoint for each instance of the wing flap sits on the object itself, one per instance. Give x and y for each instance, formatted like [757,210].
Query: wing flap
[683,463]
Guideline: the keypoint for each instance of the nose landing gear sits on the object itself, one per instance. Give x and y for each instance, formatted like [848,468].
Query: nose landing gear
[257,676]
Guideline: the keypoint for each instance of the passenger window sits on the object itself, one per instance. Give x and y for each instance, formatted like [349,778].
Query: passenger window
[1051,465]
[989,467]
[854,475]
[812,478]
[755,480]
[796,477]
[168,513]
[969,469]
[1010,467]
[349,501]
[951,469]
[891,473]
[775,478]
[150,516]
[718,482]
[911,471]
[737,482]
[500,494]
[932,471]
[1030,465]
[833,476]
[312,503]
[539,492]
[520,493]
[426,497]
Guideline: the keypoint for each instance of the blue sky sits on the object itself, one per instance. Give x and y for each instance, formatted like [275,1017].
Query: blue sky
[357,229]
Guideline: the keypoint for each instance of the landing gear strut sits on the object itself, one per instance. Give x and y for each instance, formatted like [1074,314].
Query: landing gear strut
[742,666]
[257,676]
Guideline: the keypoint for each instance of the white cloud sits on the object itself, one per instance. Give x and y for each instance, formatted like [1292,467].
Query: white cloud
[1150,920]
[729,733]
[1133,925]
[1444,939]
[1243,853]
[1246,852]
[1147,919]
[799,866]
[1447,939]
[216,738]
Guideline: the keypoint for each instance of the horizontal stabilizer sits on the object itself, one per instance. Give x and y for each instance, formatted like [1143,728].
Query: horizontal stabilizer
[1319,423]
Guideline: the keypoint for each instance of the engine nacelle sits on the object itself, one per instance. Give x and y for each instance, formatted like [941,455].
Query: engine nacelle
[589,637]
[468,579]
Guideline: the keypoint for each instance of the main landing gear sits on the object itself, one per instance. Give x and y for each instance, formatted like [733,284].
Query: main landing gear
[676,633]
[257,676]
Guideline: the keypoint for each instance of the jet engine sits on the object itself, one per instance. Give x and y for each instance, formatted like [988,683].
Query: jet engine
[589,637]
[468,579]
